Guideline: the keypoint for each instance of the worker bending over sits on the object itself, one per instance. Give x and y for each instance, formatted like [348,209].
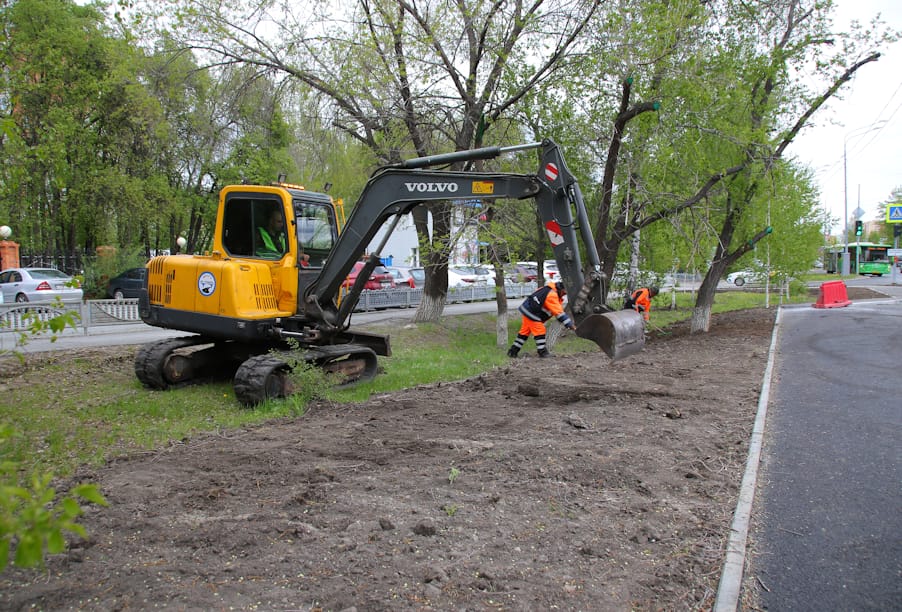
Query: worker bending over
[640,301]
[543,304]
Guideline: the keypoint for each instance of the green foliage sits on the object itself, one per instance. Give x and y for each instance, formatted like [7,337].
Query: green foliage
[453,474]
[33,519]
[99,270]
[41,320]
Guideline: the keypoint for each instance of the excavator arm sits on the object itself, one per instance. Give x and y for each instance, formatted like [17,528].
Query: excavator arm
[395,190]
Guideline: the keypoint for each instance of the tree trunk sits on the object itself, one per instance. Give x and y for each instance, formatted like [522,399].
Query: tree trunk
[430,308]
[435,289]
[633,278]
[501,339]
[501,302]
[701,319]
[704,300]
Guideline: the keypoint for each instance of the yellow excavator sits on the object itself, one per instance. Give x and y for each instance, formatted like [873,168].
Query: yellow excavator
[267,296]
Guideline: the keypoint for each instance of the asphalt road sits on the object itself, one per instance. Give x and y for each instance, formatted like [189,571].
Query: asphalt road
[828,508]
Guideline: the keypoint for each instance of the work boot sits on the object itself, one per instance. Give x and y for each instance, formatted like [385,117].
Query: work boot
[544,353]
[512,352]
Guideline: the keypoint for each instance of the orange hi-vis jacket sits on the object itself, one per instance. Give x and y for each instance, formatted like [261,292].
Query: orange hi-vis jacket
[641,301]
[544,304]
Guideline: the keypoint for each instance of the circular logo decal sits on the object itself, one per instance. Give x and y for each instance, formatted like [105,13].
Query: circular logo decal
[206,284]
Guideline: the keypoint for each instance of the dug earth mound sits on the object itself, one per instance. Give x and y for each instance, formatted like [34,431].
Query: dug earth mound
[571,483]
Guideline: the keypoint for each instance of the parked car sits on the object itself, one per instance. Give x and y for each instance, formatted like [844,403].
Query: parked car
[39,285]
[403,277]
[742,277]
[126,285]
[461,275]
[522,273]
[419,276]
[381,278]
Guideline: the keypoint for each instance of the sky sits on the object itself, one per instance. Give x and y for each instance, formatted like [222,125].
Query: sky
[867,124]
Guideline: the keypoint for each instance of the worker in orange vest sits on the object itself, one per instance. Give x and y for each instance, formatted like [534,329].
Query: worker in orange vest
[640,301]
[543,304]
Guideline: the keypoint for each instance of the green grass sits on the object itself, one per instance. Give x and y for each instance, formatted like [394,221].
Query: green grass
[70,411]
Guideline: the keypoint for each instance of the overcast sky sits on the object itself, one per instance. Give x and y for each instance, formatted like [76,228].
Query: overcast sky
[873,153]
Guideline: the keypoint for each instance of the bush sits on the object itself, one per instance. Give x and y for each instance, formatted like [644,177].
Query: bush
[108,263]
[32,520]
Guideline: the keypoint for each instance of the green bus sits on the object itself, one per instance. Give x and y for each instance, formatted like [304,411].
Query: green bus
[864,258]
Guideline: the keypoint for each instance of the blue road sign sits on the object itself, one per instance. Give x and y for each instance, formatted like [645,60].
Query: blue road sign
[894,213]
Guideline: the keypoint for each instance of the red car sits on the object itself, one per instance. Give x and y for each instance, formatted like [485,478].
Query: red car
[381,278]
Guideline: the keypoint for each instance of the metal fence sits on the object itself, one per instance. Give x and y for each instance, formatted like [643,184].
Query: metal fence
[72,264]
[91,313]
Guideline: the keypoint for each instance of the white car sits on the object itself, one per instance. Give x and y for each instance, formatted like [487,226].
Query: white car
[550,270]
[742,277]
[462,275]
[403,277]
[39,285]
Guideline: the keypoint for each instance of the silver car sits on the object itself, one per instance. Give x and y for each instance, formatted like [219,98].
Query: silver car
[38,285]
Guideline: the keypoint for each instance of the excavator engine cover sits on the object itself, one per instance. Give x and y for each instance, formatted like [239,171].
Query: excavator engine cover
[619,334]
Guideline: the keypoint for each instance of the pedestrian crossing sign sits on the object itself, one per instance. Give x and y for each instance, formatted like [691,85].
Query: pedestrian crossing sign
[894,213]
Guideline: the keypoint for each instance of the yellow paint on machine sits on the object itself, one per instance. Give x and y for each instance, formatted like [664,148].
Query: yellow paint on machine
[232,288]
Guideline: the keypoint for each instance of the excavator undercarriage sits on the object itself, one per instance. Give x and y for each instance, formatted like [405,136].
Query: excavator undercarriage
[257,376]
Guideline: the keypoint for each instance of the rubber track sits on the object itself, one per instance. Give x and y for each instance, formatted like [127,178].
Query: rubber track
[250,379]
[150,358]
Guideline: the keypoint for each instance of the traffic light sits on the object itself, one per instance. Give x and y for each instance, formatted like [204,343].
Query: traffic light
[858,228]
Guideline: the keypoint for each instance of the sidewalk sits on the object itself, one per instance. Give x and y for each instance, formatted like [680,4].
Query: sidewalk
[825,498]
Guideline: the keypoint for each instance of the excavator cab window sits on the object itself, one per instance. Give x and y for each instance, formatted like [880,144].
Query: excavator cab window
[315,230]
[254,227]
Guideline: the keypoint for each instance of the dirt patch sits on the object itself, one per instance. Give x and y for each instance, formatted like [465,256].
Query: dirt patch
[569,483]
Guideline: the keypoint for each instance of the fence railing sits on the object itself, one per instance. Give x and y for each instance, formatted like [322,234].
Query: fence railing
[91,313]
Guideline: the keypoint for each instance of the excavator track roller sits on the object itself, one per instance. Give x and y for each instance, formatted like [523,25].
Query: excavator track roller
[619,334]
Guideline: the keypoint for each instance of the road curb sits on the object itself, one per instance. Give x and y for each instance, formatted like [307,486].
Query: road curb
[731,576]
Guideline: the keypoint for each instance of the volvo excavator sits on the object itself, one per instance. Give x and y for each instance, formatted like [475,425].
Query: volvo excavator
[268,296]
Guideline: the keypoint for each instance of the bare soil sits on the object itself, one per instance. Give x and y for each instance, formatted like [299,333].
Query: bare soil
[567,483]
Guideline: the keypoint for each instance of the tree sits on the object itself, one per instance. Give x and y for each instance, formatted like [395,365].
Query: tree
[402,78]
[32,517]
[729,109]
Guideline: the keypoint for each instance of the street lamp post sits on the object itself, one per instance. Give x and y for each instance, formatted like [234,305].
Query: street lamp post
[845,179]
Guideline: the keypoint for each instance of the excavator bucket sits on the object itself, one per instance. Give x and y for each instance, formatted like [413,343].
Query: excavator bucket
[619,334]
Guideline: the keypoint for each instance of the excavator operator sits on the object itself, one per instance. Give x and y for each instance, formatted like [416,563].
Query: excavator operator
[543,304]
[272,236]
